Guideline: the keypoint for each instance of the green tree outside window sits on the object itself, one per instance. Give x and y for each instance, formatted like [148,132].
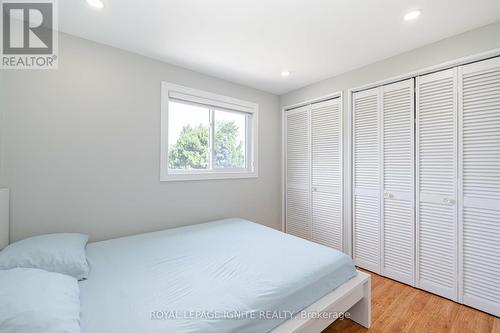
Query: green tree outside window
[191,151]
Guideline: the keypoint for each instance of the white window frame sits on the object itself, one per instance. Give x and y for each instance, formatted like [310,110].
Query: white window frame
[212,101]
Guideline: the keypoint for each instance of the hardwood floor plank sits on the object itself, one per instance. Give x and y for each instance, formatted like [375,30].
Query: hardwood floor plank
[402,313]
[496,325]
[399,308]
[442,315]
[414,312]
[382,297]
[470,320]
[420,324]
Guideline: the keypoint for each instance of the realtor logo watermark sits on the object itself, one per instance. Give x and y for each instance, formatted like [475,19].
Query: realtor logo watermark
[29,34]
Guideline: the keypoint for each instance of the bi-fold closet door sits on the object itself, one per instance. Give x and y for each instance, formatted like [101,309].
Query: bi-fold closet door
[436,212]
[458,184]
[366,179]
[440,232]
[479,185]
[298,165]
[313,207]
[383,180]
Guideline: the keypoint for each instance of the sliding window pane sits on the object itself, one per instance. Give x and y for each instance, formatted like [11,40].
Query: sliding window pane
[229,140]
[188,136]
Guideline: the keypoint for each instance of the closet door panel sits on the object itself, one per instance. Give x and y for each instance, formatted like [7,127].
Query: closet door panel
[326,167]
[480,188]
[366,180]
[326,225]
[398,181]
[436,183]
[298,202]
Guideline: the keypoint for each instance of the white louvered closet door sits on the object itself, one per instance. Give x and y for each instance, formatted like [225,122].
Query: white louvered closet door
[366,182]
[326,167]
[479,209]
[437,183]
[298,182]
[398,238]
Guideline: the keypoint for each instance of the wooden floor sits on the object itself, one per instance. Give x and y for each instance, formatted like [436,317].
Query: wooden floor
[397,307]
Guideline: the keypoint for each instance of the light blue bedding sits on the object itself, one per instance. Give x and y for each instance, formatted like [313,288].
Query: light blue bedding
[61,253]
[192,279]
[34,301]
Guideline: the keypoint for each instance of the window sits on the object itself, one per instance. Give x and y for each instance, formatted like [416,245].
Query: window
[206,136]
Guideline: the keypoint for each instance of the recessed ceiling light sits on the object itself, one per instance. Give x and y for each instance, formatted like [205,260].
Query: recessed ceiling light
[285,73]
[96,3]
[412,15]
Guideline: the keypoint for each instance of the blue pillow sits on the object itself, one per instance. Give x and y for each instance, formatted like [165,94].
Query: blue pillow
[34,301]
[60,253]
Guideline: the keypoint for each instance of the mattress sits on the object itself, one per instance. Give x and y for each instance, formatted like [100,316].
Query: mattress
[225,276]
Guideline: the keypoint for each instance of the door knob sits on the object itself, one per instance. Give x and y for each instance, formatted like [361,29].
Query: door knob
[448,201]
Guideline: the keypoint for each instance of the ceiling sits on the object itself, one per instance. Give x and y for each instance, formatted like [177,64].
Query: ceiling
[252,41]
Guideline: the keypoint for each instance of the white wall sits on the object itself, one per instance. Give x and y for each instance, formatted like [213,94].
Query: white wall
[466,44]
[82,143]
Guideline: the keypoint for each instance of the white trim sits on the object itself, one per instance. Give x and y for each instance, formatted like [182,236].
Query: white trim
[353,297]
[349,180]
[190,95]
[417,184]
[207,98]
[460,185]
[337,94]
[342,157]
[283,170]
[310,174]
[381,201]
[209,176]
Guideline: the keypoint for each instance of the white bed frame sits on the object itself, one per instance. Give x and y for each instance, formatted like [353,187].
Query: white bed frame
[4,217]
[353,298]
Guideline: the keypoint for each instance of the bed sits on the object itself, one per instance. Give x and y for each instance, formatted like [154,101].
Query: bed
[224,276]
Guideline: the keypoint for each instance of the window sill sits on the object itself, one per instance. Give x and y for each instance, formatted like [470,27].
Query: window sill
[207,176]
